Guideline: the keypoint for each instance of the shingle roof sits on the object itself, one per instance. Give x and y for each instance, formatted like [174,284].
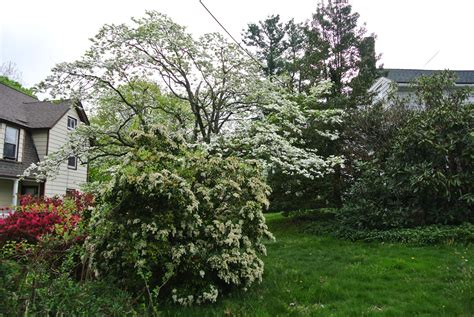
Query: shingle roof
[409,75]
[42,114]
[13,169]
[27,111]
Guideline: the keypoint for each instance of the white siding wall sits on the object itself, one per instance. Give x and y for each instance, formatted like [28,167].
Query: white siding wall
[20,145]
[40,138]
[67,178]
[382,87]
[6,193]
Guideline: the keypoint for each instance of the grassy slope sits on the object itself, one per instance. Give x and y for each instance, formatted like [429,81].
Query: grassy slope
[310,275]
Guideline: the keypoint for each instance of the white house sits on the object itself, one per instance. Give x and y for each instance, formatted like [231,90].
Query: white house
[401,80]
[29,130]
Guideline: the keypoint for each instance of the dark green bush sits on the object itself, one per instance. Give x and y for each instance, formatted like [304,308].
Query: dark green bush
[327,222]
[428,175]
[37,291]
[428,235]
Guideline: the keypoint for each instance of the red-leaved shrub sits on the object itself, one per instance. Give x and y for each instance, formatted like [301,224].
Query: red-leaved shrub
[36,217]
[29,226]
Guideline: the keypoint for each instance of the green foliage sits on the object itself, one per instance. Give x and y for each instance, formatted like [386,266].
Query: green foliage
[113,120]
[179,223]
[327,222]
[337,50]
[16,85]
[371,131]
[269,37]
[331,47]
[427,176]
[427,235]
[36,290]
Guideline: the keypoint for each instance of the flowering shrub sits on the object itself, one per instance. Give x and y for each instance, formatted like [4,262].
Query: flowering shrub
[81,200]
[181,223]
[36,217]
[28,226]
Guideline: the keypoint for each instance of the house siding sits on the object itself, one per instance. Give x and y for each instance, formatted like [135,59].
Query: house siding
[40,138]
[66,178]
[20,145]
[6,192]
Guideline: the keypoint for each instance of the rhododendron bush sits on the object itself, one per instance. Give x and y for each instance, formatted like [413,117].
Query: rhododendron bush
[180,222]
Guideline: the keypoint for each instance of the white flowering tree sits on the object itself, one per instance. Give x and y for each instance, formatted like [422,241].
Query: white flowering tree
[218,83]
[154,72]
[277,136]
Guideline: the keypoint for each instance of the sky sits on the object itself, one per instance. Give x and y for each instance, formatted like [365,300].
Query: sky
[422,34]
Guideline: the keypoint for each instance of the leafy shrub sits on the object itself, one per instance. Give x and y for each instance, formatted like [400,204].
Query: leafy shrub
[179,223]
[427,178]
[16,85]
[327,222]
[428,235]
[36,217]
[28,226]
[36,291]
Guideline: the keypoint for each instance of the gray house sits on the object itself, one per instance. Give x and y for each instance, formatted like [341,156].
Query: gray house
[29,130]
[401,80]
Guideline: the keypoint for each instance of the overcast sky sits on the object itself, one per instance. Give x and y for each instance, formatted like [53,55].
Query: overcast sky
[38,34]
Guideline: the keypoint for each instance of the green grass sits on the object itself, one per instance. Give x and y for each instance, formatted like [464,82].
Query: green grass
[308,275]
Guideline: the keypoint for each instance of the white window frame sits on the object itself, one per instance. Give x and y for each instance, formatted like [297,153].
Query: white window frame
[69,120]
[17,145]
[72,167]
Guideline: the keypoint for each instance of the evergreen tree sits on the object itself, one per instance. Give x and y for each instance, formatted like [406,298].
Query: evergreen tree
[268,38]
[338,51]
[295,45]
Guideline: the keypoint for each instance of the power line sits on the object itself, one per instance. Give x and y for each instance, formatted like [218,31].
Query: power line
[230,35]
[436,54]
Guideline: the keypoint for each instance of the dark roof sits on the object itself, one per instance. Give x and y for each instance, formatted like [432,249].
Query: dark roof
[409,75]
[13,169]
[16,107]
[43,114]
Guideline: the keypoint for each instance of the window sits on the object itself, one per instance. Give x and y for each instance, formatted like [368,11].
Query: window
[71,123]
[10,149]
[30,190]
[72,162]
[70,192]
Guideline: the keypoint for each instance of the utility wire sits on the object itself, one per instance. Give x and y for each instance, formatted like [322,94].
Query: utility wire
[230,35]
[436,54]
[237,42]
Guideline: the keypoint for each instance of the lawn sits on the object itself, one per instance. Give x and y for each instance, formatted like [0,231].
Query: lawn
[308,275]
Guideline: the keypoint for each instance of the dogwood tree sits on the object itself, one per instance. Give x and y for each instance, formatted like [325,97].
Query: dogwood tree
[207,90]
[217,81]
